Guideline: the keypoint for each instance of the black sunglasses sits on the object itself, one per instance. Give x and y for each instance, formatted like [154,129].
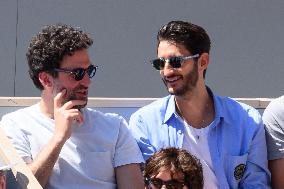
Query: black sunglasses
[175,61]
[79,73]
[171,184]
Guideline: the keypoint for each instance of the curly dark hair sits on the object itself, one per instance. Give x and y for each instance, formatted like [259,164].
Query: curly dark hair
[193,37]
[47,49]
[176,160]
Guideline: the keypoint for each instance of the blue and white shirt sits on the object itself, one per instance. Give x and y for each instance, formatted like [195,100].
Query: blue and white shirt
[236,139]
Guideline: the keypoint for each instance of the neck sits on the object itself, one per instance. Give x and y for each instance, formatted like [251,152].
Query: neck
[46,104]
[196,107]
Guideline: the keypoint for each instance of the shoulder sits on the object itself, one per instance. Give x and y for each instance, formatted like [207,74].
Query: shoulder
[159,105]
[103,119]
[100,115]
[232,105]
[23,110]
[275,110]
[20,115]
[235,111]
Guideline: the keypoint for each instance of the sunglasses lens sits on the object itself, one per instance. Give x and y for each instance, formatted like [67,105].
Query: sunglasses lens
[175,185]
[79,74]
[172,184]
[175,62]
[158,63]
[92,71]
[157,183]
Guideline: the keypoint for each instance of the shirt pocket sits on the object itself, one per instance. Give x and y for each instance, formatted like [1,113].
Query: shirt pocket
[98,166]
[235,167]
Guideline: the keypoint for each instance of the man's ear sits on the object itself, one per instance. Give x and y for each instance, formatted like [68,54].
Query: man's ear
[203,61]
[45,79]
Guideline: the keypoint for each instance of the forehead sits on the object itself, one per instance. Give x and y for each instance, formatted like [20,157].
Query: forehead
[169,48]
[79,59]
[168,175]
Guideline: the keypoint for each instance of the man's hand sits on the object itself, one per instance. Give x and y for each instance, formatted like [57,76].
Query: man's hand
[65,115]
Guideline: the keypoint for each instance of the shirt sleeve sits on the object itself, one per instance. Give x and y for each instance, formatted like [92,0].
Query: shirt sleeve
[17,138]
[139,130]
[127,150]
[256,175]
[273,118]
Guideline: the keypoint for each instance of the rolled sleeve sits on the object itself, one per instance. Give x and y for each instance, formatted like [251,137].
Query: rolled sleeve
[138,128]
[127,150]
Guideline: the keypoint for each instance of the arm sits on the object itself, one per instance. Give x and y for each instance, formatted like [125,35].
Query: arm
[127,160]
[257,175]
[64,115]
[129,177]
[277,169]
[273,119]
[43,164]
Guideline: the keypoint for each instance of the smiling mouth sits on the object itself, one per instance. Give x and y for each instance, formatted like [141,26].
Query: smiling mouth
[172,79]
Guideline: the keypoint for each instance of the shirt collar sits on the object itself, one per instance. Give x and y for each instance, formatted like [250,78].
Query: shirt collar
[171,107]
[218,107]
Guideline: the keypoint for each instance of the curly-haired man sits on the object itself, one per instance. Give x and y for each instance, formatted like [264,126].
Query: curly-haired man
[65,144]
[174,168]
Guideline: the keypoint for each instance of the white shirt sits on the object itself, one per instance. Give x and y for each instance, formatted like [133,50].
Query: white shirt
[196,142]
[87,160]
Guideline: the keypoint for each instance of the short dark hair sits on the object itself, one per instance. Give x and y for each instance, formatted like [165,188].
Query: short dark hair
[193,37]
[47,49]
[176,160]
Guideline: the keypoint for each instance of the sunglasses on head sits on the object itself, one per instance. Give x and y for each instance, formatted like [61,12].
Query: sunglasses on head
[79,73]
[175,61]
[158,183]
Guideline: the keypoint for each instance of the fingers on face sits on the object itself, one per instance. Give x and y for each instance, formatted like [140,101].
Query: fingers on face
[74,115]
[73,103]
[78,117]
[59,101]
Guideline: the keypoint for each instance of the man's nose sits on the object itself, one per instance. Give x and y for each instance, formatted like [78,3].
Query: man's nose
[86,81]
[168,69]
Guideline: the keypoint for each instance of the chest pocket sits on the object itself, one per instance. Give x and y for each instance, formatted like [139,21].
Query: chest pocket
[235,167]
[98,165]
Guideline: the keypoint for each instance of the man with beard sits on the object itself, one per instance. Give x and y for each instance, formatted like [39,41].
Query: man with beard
[227,136]
[65,144]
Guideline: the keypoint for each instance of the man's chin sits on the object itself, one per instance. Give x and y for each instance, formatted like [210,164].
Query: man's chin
[177,92]
[80,106]
[172,90]
[85,99]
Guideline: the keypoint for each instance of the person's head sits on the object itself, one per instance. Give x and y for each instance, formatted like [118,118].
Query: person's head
[58,59]
[2,180]
[183,55]
[175,167]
